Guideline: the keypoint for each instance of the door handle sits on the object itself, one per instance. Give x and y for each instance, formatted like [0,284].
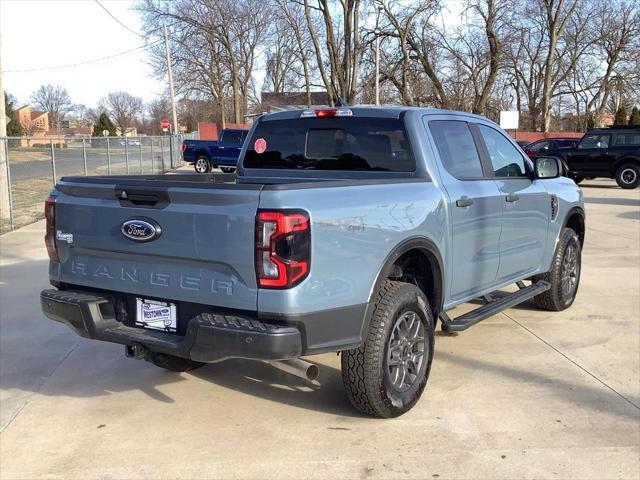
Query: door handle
[464,202]
[512,197]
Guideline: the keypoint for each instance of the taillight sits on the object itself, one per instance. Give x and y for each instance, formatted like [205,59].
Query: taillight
[50,235]
[183,147]
[283,248]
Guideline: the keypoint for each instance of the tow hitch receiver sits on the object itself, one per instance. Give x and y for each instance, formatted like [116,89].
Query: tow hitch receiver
[137,351]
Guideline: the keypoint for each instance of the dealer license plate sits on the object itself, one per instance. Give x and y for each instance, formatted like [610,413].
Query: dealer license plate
[156,315]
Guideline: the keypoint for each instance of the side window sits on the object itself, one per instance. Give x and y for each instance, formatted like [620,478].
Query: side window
[506,160]
[457,148]
[628,139]
[232,138]
[539,146]
[594,140]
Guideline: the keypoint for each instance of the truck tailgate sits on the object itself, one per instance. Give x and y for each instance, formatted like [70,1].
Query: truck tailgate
[204,253]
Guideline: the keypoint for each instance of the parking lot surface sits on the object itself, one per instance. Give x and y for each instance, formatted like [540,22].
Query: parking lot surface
[525,394]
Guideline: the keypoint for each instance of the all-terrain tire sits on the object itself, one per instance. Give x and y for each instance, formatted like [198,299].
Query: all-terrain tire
[366,374]
[558,298]
[628,176]
[173,363]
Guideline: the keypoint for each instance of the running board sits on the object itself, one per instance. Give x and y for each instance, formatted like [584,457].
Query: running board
[469,319]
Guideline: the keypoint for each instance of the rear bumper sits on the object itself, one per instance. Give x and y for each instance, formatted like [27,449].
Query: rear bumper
[209,337]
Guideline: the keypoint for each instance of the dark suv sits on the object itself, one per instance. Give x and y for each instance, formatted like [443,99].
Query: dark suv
[612,152]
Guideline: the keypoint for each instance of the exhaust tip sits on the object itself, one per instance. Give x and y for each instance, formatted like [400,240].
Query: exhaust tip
[313,372]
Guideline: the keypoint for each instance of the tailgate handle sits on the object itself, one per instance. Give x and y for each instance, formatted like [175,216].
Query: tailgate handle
[142,198]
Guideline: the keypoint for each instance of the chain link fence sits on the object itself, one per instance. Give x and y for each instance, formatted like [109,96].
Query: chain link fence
[34,164]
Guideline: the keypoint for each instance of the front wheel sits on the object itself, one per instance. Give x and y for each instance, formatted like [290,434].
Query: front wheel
[227,169]
[202,165]
[564,275]
[628,176]
[386,376]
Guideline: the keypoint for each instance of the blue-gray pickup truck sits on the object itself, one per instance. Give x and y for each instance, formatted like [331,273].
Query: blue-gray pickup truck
[223,152]
[347,229]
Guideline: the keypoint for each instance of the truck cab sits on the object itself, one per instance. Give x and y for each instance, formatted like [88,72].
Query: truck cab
[206,155]
[346,229]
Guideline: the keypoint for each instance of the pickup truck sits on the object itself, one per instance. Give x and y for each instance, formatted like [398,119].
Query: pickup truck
[223,152]
[612,152]
[346,229]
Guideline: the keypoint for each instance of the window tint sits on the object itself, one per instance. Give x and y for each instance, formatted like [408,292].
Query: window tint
[630,138]
[565,143]
[232,138]
[538,146]
[456,147]
[506,160]
[595,140]
[351,143]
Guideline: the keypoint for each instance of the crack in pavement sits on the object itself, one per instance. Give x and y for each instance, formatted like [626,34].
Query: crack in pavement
[602,382]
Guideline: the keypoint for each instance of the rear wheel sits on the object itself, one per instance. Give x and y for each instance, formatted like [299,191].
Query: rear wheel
[173,363]
[564,275]
[386,376]
[202,165]
[628,176]
[577,179]
[227,169]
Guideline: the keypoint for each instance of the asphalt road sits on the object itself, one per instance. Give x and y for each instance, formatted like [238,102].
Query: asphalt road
[525,394]
[70,161]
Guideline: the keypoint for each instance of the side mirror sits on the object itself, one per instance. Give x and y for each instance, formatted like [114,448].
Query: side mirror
[547,167]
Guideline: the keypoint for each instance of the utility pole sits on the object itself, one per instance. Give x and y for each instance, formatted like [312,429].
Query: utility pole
[173,98]
[377,68]
[4,166]
[376,32]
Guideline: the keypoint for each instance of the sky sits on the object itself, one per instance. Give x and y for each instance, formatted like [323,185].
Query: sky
[41,38]
[39,34]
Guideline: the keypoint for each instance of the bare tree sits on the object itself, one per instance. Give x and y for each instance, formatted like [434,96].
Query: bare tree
[55,100]
[294,16]
[547,58]
[214,44]
[334,28]
[123,108]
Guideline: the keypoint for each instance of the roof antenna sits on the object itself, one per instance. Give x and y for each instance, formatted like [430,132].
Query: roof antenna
[340,102]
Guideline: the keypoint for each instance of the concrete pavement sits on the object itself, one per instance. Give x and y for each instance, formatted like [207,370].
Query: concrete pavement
[525,394]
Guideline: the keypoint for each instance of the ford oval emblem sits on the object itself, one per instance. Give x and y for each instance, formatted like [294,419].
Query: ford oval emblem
[141,230]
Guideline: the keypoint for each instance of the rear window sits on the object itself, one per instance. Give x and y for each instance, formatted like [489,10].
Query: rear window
[232,138]
[352,143]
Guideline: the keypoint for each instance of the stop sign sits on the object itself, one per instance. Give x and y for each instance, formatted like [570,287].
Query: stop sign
[164,123]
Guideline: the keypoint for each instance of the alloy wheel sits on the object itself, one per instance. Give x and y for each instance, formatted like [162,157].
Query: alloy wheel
[570,271]
[406,351]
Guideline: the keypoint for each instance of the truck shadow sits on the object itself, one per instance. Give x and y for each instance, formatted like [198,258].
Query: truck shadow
[259,379]
[39,356]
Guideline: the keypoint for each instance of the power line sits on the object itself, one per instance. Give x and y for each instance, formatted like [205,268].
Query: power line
[117,20]
[87,62]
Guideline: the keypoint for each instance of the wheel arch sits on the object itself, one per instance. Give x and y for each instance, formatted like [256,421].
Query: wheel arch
[574,219]
[624,160]
[202,153]
[401,264]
